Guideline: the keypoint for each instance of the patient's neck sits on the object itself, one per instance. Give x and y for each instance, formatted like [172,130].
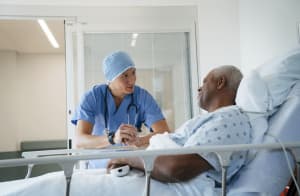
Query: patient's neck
[221,101]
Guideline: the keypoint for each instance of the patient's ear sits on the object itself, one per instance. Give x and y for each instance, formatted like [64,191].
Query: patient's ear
[221,83]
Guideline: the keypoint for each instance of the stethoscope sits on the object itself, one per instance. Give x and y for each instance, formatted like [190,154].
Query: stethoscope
[129,108]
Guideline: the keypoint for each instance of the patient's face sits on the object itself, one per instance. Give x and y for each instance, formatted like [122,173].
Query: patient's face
[207,91]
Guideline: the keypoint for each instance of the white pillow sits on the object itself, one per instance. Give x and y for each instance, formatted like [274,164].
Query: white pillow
[253,94]
[267,87]
[263,90]
[280,75]
[254,99]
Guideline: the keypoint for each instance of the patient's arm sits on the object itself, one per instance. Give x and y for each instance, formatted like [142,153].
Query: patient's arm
[173,168]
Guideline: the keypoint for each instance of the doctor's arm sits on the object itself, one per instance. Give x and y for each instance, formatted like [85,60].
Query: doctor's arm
[85,139]
[173,168]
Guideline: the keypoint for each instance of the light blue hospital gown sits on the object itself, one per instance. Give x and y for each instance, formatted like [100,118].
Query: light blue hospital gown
[227,125]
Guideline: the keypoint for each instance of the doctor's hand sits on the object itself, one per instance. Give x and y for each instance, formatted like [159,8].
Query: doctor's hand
[125,134]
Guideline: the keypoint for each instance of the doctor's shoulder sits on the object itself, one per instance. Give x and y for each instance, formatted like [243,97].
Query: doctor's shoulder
[94,94]
[142,95]
[97,90]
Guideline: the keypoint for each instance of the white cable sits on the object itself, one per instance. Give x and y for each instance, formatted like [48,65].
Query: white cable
[287,160]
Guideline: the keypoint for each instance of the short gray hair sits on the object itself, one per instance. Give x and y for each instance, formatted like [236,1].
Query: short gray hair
[233,75]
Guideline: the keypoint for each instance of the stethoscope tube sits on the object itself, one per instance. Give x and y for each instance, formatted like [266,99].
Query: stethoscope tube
[106,114]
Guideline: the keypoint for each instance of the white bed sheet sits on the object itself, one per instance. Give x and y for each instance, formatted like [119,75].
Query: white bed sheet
[90,183]
[97,182]
[49,184]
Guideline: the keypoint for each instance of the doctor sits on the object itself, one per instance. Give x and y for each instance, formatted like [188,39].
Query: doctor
[112,113]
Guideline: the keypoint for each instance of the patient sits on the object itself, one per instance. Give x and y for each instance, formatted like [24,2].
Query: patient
[223,124]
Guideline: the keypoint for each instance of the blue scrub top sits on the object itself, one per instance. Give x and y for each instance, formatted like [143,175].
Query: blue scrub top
[92,109]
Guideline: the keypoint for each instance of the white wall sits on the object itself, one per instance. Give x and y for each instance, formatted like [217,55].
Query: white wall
[170,18]
[42,97]
[33,98]
[218,34]
[145,19]
[8,101]
[268,28]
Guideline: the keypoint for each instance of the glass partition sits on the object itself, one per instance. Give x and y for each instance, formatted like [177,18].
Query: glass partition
[162,67]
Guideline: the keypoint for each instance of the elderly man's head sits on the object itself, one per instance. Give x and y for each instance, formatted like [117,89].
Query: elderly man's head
[219,88]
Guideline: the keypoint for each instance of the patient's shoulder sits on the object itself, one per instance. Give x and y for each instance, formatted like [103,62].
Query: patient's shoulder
[228,109]
[229,125]
[230,113]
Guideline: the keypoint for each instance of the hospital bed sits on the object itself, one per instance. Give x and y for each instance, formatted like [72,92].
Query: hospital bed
[267,172]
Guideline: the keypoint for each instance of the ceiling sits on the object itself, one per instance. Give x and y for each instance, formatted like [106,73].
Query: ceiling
[26,36]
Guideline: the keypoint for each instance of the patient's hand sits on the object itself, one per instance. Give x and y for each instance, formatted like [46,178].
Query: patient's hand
[114,163]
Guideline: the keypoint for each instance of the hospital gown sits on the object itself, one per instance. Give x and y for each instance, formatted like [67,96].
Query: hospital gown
[227,125]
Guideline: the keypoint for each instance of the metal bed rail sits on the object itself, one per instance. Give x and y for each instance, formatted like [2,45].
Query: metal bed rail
[69,157]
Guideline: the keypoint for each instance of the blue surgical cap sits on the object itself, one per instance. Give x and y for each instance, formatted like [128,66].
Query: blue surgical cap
[115,64]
